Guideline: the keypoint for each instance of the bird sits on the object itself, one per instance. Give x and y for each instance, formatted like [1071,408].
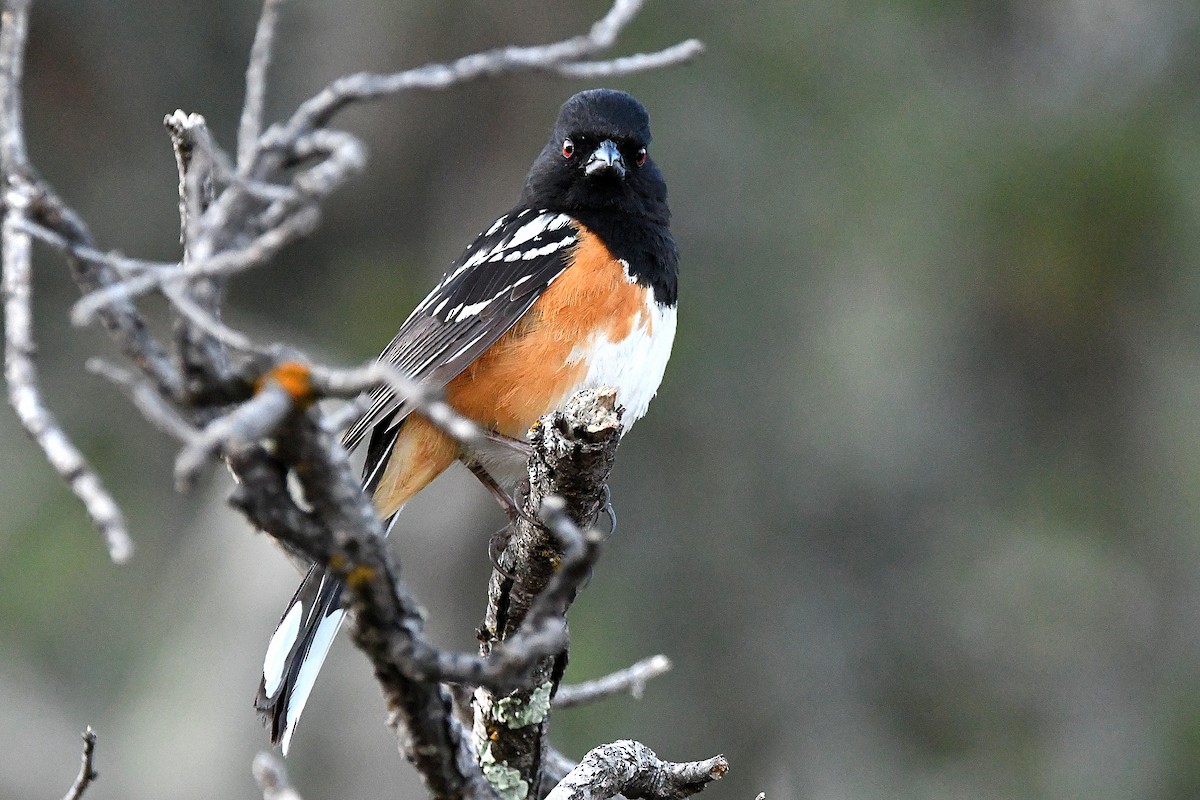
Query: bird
[575,287]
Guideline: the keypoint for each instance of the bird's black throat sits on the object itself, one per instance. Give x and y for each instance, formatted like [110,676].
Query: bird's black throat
[646,246]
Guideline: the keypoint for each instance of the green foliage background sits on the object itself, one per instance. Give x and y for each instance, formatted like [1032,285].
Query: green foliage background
[916,511]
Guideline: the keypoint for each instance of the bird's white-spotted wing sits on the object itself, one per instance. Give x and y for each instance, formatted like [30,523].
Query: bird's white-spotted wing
[491,285]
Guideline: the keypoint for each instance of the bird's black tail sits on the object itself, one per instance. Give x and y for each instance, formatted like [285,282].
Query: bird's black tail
[296,652]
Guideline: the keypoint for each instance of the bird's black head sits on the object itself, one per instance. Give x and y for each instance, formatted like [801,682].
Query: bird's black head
[597,160]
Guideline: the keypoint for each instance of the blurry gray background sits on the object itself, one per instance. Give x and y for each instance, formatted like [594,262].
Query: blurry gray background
[916,510]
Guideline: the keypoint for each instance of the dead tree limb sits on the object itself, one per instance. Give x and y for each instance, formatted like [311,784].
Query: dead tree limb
[633,770]
[573,454]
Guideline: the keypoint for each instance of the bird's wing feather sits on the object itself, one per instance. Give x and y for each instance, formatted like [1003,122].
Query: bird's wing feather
[491,285]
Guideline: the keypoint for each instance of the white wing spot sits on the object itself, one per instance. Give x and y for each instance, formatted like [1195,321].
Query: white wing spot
[473,309]
[497,225]
[546,250]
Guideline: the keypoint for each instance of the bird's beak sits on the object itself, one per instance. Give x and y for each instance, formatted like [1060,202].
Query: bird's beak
[606,160]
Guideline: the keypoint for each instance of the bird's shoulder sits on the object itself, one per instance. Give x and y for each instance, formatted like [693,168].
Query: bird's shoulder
[500,274]
[509,259]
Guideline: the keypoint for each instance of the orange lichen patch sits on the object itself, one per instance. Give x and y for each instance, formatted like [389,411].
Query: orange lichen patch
[525,374]
[421,453]
[359,576]
[294,378]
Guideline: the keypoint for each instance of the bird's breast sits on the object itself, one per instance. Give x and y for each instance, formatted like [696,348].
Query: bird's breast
[593,326]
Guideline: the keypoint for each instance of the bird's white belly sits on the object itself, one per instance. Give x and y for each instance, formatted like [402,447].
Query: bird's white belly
[634,365]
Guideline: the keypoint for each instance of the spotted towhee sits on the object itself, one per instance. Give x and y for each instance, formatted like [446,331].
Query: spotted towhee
[573,288]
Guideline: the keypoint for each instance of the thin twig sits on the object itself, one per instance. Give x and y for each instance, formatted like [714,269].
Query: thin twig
[146,397]
[631,769]
[122,265]
[87,769]
[14,29]
[424,399]
[24,390]
[632,679]
[337,154]
[20,371]
[340,419]
[256,84]
[640,62]
[548,57]
[199,317]
[253,420]
[258,251]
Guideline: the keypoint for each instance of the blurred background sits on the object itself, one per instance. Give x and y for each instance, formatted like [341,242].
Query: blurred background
[916,511]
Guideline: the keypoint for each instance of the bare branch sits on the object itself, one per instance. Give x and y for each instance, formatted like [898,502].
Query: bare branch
[631,679]
[256,84]
[272,778]
[14,29]
[640,62]
[147,399]
[631,769]
[87,770]
[539,572]
[253,420]
[24,391]
[200,318]
[549,57]
[230,262]
[20,372]
[385,617]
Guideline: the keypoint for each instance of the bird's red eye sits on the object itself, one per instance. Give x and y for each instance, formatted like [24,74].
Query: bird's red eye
[568,148]
[640,158]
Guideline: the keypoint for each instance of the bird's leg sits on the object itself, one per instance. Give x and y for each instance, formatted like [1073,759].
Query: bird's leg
[499,540]
[498,494]
[518,445]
